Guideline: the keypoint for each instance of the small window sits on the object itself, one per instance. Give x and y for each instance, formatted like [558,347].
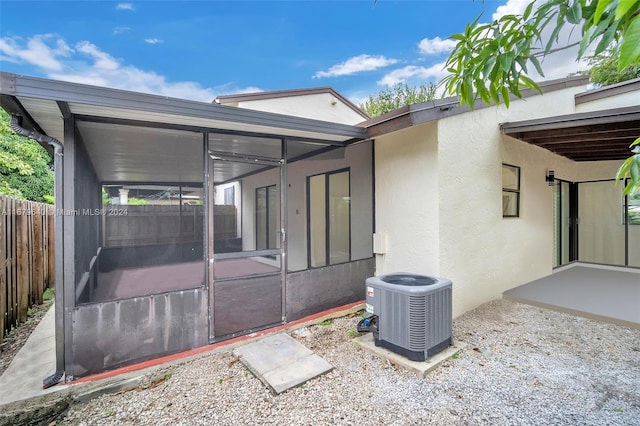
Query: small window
[329,218]
[229,196]
[510,191]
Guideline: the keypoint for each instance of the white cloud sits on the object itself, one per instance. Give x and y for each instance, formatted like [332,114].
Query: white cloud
[434,46]
[87,64]
[101,60]
[355,65]
[153,40]
[401,75]
[120,30]
[511,7]
[36,51]
[125,6]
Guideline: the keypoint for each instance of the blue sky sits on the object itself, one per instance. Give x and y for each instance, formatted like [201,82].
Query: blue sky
[201,49]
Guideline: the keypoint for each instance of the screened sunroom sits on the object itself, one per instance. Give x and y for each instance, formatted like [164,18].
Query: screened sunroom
[183,223]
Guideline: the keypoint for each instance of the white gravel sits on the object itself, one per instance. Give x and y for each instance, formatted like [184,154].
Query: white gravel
[522,365]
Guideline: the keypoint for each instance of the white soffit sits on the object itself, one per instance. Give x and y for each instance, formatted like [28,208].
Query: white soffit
[156,117]
[47,115]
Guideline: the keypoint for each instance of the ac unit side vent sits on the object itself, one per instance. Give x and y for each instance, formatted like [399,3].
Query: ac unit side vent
[417,322]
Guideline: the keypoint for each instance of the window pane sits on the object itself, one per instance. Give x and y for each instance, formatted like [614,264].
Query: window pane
[339,209]
[317,221]
[634,209]
[261,218]
[634,231]
[510,177]
[510,202]
[600,231]
[273,225]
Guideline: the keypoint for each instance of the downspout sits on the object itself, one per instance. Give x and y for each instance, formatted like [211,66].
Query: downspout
[16,126]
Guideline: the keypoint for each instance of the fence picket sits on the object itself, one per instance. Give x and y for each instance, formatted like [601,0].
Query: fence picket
[26,258]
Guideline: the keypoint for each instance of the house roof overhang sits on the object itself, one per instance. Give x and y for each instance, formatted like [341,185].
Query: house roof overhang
[587,136]
[424,112]
[139,137]
[44,103]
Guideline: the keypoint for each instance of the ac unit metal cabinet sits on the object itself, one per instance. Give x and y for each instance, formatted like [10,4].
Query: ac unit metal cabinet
[414,313]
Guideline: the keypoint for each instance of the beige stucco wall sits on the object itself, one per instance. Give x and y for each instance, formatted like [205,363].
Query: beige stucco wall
[406,173]
[322,106]
[439,192]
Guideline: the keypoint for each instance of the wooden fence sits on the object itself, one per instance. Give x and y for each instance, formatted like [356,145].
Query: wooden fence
[164,224]
[26,258]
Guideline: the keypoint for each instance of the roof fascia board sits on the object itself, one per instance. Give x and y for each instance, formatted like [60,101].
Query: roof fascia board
[572,120]
[441,108]
[25,86]
[608,91]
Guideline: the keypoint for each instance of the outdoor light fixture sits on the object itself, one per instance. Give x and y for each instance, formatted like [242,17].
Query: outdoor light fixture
[550,178]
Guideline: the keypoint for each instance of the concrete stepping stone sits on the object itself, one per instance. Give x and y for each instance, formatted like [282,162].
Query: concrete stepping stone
[281,362]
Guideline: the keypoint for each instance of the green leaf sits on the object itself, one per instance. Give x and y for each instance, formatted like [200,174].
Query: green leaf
[574,13]
[488,66]
[530,83]
[634,171]
[624,169]
[536,63]
[623,7]
[606,40]
[505,96]
[553,38]
[506,59]
[527,11]
[600,8]
[630,46]
[494,94]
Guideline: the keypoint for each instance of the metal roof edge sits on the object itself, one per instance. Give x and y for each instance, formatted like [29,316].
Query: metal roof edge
[34,87]
[608,91]
[568,120]
[445,107]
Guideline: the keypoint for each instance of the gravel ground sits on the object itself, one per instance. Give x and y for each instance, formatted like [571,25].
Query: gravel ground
[522,365]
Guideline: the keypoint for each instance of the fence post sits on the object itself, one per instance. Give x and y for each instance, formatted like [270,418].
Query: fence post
[22,251]
[50,246]
[38,278]
[3,265]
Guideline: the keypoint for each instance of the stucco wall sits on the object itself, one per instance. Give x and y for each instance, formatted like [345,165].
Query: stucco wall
[322,106]
[407,200]
[482,252]
[439,192]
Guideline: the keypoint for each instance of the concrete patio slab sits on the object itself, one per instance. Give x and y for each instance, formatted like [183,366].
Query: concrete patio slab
[421,368]
[604,293]
[281,362]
